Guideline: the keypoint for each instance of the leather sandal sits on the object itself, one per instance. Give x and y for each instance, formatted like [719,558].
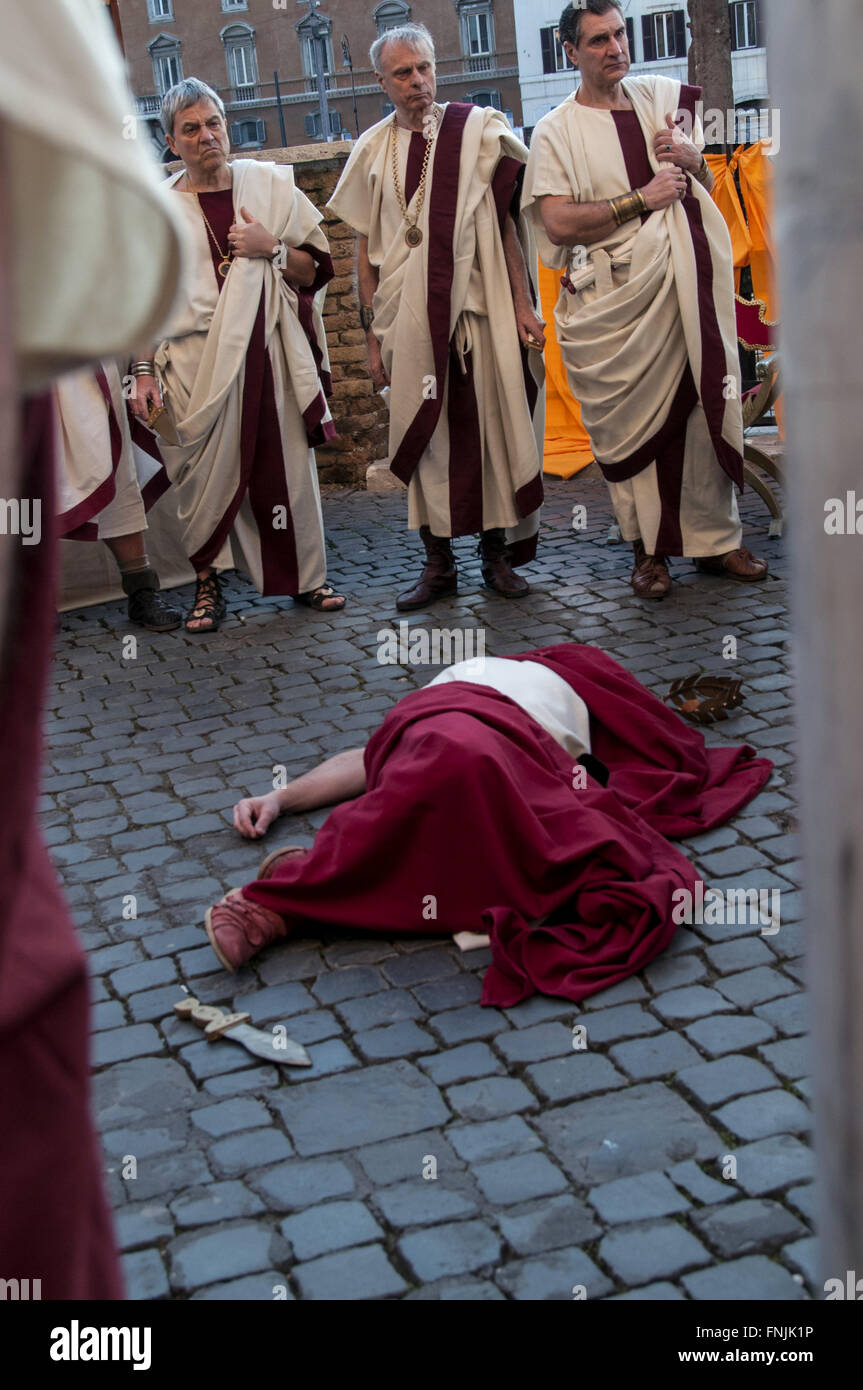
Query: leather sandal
[650,577]
[317,599]
[705,699]
[738,564]
[210,606]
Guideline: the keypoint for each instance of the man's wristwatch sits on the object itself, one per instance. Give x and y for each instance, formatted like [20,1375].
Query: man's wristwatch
[367,316]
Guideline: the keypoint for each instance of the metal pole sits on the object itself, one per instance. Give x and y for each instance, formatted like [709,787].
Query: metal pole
[346,51]
[821,293]
[280,111]
[318,35]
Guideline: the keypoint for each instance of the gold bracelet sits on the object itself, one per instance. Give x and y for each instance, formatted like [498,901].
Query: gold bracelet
[627,206]
[143,369]
[705,172]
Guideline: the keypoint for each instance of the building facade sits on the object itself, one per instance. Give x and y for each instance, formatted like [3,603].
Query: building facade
[658,42]
[239,46]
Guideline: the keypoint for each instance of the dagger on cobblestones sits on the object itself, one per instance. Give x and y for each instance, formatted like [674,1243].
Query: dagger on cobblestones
[271,1047]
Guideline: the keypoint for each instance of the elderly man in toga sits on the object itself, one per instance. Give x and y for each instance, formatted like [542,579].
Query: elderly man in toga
[619,195]
[244,367]
[448,310]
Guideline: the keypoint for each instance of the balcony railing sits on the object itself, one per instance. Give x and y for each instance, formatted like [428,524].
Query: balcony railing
[300,89]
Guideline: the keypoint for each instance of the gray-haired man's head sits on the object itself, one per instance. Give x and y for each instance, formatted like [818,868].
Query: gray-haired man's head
[184,94]
[415,36]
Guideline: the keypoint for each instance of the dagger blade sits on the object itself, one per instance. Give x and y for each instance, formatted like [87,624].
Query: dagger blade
[271,1047]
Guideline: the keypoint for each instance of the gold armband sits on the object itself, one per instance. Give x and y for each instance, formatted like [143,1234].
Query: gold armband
[367,316]
[627,206]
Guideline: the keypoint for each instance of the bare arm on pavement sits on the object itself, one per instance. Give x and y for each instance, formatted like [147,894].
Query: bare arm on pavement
[340,778]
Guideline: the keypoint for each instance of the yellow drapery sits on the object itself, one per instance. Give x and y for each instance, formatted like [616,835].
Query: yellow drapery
[726,198]
[750,233]
[756,185]
[567,446]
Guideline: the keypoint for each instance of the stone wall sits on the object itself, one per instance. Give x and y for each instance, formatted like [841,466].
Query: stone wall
[359,413]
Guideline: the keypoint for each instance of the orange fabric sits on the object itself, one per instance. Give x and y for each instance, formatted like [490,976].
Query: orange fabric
[756,185]
[567,445]
[751,238]
[726,198]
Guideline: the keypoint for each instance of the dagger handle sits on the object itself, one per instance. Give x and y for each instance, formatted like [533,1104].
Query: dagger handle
[212,1019]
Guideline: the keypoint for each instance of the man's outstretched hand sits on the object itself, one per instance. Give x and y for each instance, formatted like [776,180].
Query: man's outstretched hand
[254,815]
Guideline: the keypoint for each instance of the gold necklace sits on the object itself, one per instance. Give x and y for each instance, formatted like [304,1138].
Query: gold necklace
[413,235]
[225,263]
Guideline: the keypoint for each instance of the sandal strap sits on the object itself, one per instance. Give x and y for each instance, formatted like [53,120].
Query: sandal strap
[209,599]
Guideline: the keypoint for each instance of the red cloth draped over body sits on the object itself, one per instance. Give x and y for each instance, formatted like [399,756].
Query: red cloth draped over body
[54,1224]
[472,813]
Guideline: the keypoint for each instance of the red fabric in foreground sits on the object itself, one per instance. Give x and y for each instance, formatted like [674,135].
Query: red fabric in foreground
[471,814]
[54,1223]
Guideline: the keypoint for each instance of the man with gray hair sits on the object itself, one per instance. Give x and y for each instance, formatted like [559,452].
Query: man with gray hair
[448,309]
[244,368]
[620,199]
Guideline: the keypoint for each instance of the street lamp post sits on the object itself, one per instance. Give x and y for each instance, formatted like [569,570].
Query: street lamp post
[346,54]
[318,32]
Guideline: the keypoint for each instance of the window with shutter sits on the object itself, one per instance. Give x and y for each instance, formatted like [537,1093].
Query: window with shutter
[679,34]
[630,36]
[553,57]
[746,25]
[648,38]
[485,98]
[546,39]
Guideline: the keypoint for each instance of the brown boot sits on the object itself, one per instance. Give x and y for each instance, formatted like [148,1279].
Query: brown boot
[439,579]
[497,569]
[650,577]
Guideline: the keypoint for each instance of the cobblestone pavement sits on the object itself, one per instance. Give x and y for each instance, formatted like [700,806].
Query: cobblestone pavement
[611,1168]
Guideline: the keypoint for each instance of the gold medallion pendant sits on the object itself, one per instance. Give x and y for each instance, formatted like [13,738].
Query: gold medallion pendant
[413,236]
[224,266]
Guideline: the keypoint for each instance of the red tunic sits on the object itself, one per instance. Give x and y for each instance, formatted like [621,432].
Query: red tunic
[474,820]
[54,1222]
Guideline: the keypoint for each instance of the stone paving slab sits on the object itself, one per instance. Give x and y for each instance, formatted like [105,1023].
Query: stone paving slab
[436,1149]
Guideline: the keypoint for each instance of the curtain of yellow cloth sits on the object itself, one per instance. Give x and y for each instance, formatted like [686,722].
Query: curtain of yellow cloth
[567,446]
[750,232]
[756,185]
[727,200]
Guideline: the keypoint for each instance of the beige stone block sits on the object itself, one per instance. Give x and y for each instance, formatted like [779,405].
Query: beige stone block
[347,353]
[380,479]
[355,387]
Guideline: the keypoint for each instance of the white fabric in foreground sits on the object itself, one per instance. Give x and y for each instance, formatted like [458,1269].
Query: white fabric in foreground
[97,248]
[538,690]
